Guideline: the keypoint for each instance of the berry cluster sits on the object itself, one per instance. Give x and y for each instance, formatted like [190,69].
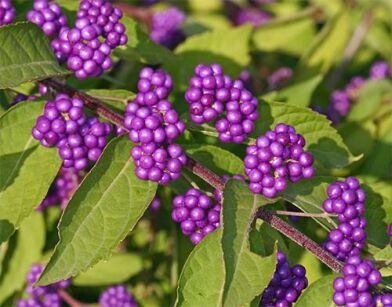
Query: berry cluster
[87,46]
[279,77]
[214,96]
[48,16]
[286,284]
[341,100]
[64,124]
[255,16]
[353,288]
[61,191]
[7,12]
[278,155]
[154,125]
[197,214]
[384,300]
[165,27]
[117,296]
[42,296]
[346,199]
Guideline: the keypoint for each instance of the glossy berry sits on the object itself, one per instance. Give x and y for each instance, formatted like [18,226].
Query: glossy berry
[286,285]
[116,296]
[346,199]
[197,214]
[166,27]
[355,285]
[155,204]
[61,191]
[48,16]
[7,12]
[276,157]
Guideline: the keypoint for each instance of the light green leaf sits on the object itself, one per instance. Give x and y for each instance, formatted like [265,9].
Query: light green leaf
[319,293]
[115,98]
[22,253]
[27,168]
[279,35]
[107,205]
[217,159]
[211,47]
[321,138]
[247,274]
[369,100]
[25,55]
[117,269]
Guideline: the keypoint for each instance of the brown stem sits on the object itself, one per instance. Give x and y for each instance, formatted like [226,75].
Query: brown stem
[70,300]
[303,214]
[207,175]
[141,14]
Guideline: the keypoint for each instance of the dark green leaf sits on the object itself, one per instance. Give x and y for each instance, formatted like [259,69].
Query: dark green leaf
[25,55]
[107,205]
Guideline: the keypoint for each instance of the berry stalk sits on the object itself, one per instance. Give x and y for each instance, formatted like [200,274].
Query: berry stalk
[207,175]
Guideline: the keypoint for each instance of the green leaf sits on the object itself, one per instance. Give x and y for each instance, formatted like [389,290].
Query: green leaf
[22,253]
[328,46]
[279,35]
[384,254]
[203,275]
[27,168]
[107,205]
[216,159]
[140,47]
[319,293]
[321,138]
[25,55]
[117,269]
[211,47]
[369,100]
[247,273]
[115,98]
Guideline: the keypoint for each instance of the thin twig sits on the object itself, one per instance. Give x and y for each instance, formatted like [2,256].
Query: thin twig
[72,302]
[304,214]
[352,48]
[207,175]
[142,14]
[190,181]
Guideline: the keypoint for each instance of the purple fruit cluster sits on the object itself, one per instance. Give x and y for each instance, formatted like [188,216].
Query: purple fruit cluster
[154,125]
[64,125]
[354,287]
[65,184]
[341,100]
[346,199]
[165,27]
[286,285]
[279,77]
[254,16]
[87,47]
[117,296]
[7,12]
[42,296]
[214,96]
[48,16]
[197,214]
[277,156]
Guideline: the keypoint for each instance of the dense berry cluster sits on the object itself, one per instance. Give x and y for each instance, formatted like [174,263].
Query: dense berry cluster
[346,199]
[286,284]
[62,189]
[214,96]
[154,125]
[277,156]
[42,296]
[87,47]
[7,12]
[342,100]
[354,287]
[254,16]
[48,16]
[117,296]
[197,214]
[64,125]
[165,27]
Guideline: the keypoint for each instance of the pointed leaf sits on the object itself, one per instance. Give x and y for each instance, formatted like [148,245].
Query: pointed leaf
[25,55]
[27,168]
[107,205]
